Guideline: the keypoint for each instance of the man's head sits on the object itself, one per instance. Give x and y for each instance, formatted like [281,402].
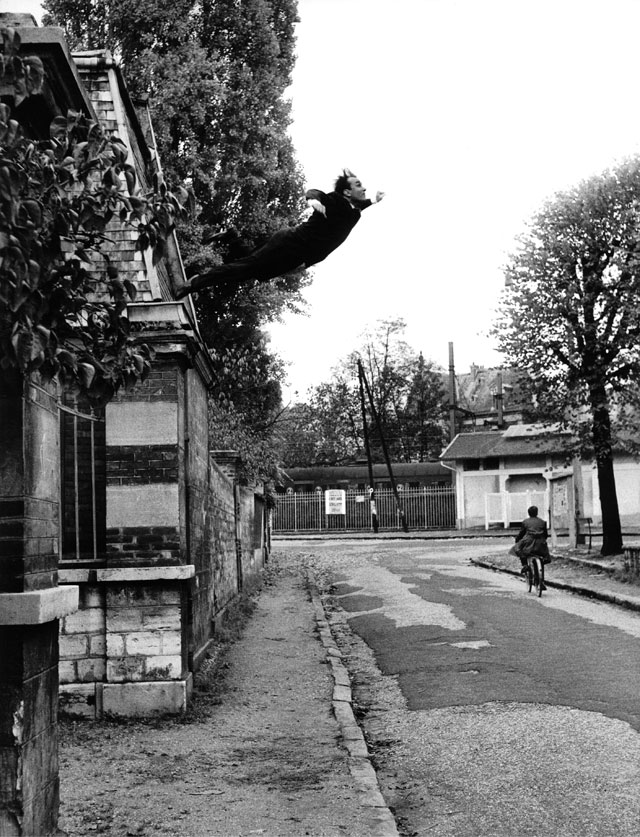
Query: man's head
[350,187]
[532,511]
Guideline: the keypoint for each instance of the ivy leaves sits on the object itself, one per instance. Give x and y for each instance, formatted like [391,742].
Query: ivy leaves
[62,302]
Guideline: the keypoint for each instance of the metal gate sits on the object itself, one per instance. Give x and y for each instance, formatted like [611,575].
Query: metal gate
[424,508]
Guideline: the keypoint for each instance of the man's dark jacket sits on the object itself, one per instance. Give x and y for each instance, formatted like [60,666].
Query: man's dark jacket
[319,235]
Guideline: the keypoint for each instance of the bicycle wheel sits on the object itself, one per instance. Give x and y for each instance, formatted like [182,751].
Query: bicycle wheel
[529,575]
[538,572]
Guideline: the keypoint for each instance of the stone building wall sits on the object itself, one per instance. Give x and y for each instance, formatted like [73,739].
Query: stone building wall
[31,604]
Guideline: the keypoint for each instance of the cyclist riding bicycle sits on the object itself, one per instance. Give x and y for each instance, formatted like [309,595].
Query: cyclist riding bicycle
[532,539]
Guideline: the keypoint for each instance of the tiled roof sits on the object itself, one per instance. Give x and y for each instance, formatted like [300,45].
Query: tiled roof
[401,470]
[519,440]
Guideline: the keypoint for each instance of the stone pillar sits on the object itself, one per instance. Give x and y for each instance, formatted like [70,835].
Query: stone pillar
[31,603]
[147,574]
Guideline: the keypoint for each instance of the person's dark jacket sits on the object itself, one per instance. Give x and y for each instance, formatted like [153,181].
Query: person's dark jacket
[532,538]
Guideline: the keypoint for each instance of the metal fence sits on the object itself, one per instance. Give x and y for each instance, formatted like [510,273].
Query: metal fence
[424,508]
[511,507]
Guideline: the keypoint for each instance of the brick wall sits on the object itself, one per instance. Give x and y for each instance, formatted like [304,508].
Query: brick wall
[142,546]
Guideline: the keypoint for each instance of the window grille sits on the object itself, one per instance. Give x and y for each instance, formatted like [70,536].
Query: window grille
[83,483]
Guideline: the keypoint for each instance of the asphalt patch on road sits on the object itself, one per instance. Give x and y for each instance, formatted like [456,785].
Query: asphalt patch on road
[360,604]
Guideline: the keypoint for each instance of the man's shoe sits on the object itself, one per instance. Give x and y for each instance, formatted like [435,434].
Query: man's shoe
[543,586]
[524,571]
[185,289]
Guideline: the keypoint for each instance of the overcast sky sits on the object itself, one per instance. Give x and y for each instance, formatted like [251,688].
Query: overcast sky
[468,114]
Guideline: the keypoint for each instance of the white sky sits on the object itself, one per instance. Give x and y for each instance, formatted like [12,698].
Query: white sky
[468,114]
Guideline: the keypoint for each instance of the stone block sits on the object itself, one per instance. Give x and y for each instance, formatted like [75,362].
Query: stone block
[146,699]
[145,643]
[73,646]
[142,423]
[38,606]
[97,646]
[164,668]
[91,670]
[143,505]
[67,671]
[123,669]
[171,597]
[161,618]
[79,699]
[171,642]
[89,621]
[115,645]
[123,620]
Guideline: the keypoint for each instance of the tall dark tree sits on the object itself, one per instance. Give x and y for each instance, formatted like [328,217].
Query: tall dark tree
[570,315]
[215,73]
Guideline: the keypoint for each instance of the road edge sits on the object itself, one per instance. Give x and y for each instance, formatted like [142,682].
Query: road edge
[383,822]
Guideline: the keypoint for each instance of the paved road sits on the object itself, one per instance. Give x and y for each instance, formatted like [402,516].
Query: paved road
[489,711]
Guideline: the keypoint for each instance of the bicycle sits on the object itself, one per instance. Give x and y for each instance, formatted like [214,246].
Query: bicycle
[535,574]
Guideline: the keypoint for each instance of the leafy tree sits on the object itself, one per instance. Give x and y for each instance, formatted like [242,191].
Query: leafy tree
[571,319]
[61,302]
[424,414]
[325,431]
[407,392]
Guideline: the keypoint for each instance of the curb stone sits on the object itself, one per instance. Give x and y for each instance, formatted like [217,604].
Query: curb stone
[382,822]
[587,592]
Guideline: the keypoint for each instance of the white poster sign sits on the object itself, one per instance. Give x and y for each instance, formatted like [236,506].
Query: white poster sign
[335,501]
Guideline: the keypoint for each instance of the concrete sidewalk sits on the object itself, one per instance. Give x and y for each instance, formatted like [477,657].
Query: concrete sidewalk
[276,751]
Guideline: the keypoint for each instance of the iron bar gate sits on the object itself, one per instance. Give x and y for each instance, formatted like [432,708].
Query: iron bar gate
[83,484]
[424,508]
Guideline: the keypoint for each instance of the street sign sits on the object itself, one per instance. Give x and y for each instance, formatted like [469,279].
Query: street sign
[335,501]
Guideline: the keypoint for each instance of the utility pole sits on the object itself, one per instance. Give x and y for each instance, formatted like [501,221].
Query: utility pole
[367,447]
[452,396]
[499,399]
[374,413]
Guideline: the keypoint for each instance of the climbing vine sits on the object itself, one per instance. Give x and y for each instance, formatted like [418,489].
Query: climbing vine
[62,303]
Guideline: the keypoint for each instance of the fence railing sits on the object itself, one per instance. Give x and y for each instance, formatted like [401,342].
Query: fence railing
[424,508]
[511,507]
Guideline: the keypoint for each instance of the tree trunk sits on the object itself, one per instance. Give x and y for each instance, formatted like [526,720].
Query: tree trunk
[611,529]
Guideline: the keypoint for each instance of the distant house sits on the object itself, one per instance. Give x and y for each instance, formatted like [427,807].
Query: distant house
[489,397]
[499,473]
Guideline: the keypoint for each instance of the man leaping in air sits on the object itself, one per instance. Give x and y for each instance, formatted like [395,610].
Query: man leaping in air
[334,216]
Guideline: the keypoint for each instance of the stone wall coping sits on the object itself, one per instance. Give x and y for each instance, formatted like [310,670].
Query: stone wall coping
[85,575]
[35,607]
[181,573]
